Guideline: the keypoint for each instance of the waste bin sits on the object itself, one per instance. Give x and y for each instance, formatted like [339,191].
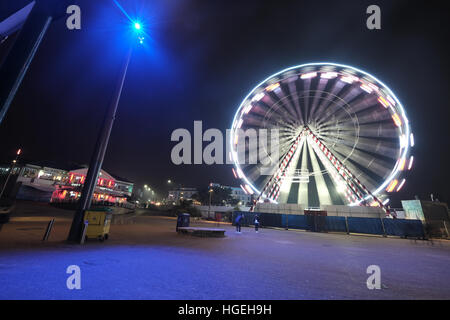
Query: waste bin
[183,220]
[99,222]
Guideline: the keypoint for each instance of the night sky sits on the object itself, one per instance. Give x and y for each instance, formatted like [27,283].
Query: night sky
[201,61]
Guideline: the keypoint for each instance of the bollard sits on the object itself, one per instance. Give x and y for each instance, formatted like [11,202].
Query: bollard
[48,230]
[83,235]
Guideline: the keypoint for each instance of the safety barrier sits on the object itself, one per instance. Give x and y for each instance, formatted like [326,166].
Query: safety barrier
[365,225]
[404,228]
[385,226]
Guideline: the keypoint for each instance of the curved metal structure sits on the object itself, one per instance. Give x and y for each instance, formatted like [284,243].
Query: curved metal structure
[327,134]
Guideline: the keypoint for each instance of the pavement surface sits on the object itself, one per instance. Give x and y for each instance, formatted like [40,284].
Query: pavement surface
[146,259]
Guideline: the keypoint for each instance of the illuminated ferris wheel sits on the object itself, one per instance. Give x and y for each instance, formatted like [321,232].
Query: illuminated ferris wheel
[336,136]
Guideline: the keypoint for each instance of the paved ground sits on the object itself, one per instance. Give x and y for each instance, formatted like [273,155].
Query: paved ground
[146,259]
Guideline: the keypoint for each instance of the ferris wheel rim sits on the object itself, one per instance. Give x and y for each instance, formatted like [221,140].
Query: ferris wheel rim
[395,171]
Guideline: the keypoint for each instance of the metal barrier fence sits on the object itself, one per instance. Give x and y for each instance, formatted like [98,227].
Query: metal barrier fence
[385,226]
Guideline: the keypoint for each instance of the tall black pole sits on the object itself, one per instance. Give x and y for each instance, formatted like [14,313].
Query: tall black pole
[16,65]
[95,165]
[11,169]
[33,21]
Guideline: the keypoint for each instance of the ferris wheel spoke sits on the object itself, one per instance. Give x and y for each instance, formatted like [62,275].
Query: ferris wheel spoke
[332,141]
[380,130]
[286,186]
[288,86]
[305,96]
[364,103]
[322,189]
[370,130]
[365,160]
[337,183]
[328,99]
[369,180]
[254,152]
[337,126]
[260,120]
[384,150]
[283,96]
[295,97]
[272,188]
[340,104]
[318,92]
[372,119]
[303,187]
[279,106]
[277,119]
[264,108]
[360,104]
[388,149]
[355,189]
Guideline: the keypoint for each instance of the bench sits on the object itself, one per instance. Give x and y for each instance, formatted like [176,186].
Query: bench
[202,232]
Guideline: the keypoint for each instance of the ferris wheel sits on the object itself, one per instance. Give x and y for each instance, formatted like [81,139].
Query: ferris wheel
[333,135]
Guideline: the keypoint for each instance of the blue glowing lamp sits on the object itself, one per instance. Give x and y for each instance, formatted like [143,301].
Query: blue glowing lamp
[138,29]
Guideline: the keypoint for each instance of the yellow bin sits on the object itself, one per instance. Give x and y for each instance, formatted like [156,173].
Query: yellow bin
[99,222]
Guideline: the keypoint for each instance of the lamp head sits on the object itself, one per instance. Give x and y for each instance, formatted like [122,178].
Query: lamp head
[139,31]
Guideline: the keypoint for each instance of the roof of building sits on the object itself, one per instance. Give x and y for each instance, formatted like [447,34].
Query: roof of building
[117,178]
[104,173]
[66,166]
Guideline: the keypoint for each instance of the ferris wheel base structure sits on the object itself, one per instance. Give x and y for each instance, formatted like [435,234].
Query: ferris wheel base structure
[331,210]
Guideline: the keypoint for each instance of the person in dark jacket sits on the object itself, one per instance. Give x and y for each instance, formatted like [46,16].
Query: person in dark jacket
[256,222]
[238,222]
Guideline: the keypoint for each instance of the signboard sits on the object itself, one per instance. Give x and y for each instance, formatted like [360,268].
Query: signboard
[413,209]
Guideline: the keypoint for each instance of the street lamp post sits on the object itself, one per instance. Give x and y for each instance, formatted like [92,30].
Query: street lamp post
[33,20]
[97,157]
[101,145]
[209,209]
[13,165]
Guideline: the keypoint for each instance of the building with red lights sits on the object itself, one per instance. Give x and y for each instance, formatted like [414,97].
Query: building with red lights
[46,181]
[109,189]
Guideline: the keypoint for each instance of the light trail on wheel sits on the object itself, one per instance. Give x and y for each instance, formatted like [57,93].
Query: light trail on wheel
[343,138]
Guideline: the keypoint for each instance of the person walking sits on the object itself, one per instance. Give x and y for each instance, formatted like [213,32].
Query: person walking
[256,222]
[238,222]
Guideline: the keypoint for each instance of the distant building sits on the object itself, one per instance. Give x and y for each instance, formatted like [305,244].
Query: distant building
[108,189]
[236,193]
[37,180]
[48,181]
[239,194]
[175,196]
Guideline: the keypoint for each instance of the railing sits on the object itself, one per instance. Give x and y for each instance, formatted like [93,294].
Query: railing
[380,226]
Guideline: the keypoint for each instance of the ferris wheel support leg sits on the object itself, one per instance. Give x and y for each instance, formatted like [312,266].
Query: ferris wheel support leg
[346,174]
[275,180]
